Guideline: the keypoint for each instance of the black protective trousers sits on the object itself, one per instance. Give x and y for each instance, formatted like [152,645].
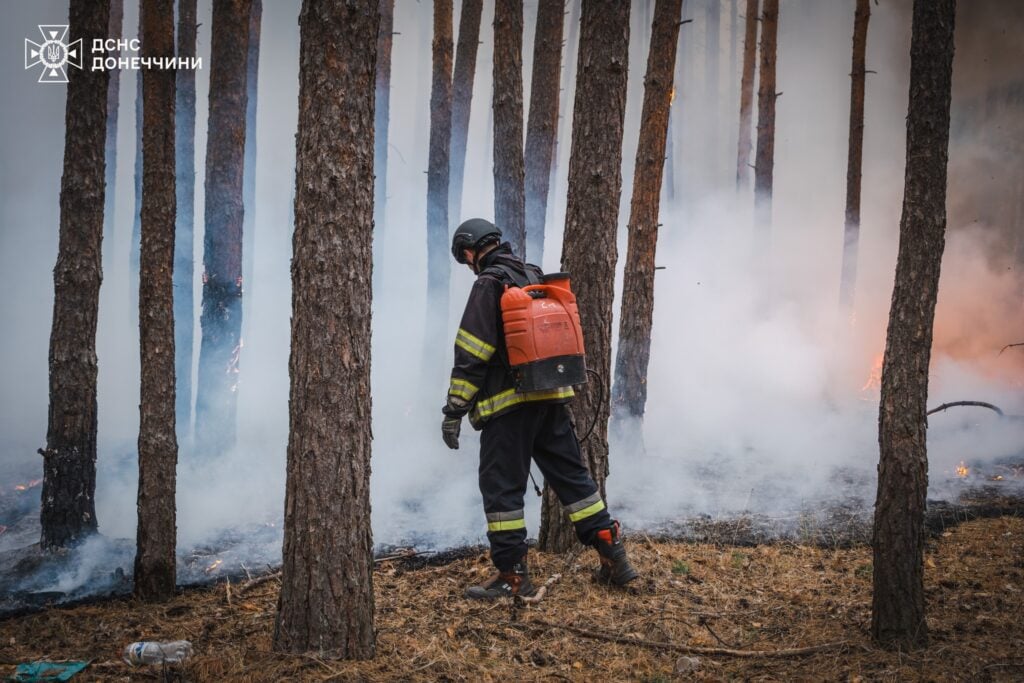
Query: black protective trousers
[544,433]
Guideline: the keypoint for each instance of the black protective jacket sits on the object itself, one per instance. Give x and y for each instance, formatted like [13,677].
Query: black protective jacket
[481,375]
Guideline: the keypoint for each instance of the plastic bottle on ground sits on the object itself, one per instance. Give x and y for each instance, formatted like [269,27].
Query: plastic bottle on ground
[150,653]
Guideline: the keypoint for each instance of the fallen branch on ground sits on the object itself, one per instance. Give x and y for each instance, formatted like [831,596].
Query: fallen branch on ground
[539,595]
[258,581]
[541,625]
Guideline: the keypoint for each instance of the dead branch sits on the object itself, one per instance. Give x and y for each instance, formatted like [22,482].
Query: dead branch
[258,581]
[539,595]
[1009,346]
[541,625]
[979,404]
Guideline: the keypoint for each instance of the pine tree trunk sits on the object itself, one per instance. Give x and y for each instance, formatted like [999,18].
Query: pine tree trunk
[897,605]
[712,70]
[249,182]
[438,254]
[382,118]
[462,96]
[113,98]
[158,447]
[68,511]
[764,162]
[543,123]
[221,320]
[184,225]
[588,250]
[509,188]
[851,228]
[746,95]
[326,600]
[629,394]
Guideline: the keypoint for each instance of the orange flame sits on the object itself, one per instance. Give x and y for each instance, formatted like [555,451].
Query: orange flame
[214,566]
[874,381]
[962,470]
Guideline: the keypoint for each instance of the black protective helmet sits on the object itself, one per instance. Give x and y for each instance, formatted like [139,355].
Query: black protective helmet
[473,234]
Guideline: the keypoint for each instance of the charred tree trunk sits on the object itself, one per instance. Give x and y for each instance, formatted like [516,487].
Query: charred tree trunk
[588,251]
[158,446]
[438,254]
[113,97]
[221,321]
[382,118]
[897,605]
[851,228]
[746,95]
[462,96]
[184,224]
[629,393]
[509,189]
[249,182]
[764,163]
[326,601]
[68,511]
[543,123]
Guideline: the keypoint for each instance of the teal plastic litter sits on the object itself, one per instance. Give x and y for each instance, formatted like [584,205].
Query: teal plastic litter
[37,672]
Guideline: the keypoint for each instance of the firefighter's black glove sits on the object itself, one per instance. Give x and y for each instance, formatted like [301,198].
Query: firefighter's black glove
[450,428]
[453,411]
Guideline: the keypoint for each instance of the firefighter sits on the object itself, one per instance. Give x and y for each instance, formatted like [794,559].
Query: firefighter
[516,427]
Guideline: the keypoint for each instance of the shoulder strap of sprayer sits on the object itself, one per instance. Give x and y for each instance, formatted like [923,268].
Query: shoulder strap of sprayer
[529,277]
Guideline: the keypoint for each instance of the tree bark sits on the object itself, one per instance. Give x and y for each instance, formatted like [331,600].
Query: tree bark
[438,253]
[382,118]
[897,604]
[116,25]
[589,249]
[249,182]
[851,228]
[158,446]
[135,246]
[221,320]
[568,87]
[326,601]
[68,512]
[746,95]
[543,122]
[629,395]
[184,224]
[764,163]
[509,189]
[462,96]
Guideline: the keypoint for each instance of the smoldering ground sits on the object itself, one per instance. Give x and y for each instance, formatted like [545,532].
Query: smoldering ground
[761,392]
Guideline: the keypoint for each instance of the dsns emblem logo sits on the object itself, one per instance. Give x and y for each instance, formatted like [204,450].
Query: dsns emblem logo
[54,54]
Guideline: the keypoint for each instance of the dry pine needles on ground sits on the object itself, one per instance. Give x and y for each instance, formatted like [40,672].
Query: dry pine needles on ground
[693,600]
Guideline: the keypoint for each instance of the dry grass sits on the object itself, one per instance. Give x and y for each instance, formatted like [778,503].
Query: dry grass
[763,598]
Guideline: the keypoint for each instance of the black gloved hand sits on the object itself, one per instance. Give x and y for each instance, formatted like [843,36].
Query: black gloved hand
[450,428]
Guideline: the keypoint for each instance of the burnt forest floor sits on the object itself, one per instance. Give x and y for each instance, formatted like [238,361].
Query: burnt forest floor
[764,598]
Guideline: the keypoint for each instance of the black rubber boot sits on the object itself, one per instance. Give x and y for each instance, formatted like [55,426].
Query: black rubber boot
[615,566]
[515,581]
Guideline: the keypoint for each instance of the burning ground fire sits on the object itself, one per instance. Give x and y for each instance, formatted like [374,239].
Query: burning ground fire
[29,485]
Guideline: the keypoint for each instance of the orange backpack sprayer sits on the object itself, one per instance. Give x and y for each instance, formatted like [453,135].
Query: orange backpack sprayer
[543,334]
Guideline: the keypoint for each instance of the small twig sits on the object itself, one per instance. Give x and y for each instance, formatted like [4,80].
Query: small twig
[704,622]
[227,590]
[258,581]
[686,649]
[1009,346]
[539,595]
[979,404]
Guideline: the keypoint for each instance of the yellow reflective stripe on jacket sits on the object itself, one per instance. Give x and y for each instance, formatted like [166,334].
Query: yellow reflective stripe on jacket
[510,397]
[474,345]
[588,511]
[463,389]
